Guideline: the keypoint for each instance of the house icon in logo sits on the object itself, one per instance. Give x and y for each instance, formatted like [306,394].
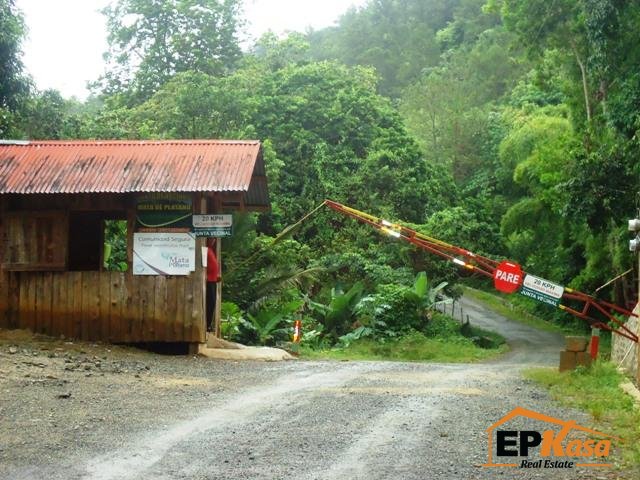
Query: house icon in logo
[552,443]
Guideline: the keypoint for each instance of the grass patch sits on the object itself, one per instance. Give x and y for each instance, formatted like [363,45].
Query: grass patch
[500,304]
[443,340]
[597,391]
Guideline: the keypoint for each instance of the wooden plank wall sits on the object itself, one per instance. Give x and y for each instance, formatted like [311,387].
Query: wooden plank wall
[108,306]
[4,297]
[35,240]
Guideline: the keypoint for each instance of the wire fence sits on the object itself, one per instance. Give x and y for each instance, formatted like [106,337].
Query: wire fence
[454,310]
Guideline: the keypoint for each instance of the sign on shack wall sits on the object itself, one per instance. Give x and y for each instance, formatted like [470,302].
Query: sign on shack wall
[163,253]
[213,225]
[163,211]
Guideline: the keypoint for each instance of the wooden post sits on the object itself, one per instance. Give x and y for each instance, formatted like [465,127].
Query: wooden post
[200,273]
[218,310]
[131,226]
[128,320]
[5,305]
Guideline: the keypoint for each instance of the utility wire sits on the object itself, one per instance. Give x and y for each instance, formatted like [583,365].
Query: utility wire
[288,230]
[614,279]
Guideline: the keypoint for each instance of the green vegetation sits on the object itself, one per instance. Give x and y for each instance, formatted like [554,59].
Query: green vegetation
[442,341]
[167,38]
[508,127]
[596,390]
[115,245]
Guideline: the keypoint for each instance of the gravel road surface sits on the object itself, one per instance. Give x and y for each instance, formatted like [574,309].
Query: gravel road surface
[82,411]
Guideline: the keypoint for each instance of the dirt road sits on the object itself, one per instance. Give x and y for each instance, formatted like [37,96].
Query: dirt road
[96,412]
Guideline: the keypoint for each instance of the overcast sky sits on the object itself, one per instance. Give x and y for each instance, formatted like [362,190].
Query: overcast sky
[67,38]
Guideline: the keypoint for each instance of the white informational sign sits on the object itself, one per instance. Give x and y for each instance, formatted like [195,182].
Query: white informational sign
[164,253]
[212,221]
[542,290]
[213,225]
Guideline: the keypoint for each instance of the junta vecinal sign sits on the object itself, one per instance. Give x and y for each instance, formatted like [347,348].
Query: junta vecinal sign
[542,290]
[213,225]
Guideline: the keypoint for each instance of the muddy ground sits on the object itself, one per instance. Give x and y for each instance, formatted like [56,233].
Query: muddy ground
[89,411]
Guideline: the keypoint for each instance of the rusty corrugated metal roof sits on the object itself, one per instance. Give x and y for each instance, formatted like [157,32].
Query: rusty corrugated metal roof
[133,166]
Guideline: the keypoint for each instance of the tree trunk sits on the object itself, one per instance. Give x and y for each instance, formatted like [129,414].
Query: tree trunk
[603,96]
[585,86]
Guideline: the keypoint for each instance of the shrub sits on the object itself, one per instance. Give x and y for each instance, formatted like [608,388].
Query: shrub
[270,324]
[393,309]
[442,326]
[231,318]
[397,309]
[337,315]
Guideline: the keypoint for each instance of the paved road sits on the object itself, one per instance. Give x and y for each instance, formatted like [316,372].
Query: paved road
[529,346]
[331,420]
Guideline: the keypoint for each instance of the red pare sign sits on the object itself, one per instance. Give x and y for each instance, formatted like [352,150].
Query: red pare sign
[508,277]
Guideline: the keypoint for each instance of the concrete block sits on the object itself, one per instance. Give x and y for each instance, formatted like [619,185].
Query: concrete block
[567,361]
[583,358]
[265,354]
[213,342]
[575,344]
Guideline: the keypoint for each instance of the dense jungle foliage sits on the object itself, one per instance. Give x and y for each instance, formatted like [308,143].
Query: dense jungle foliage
[508,127]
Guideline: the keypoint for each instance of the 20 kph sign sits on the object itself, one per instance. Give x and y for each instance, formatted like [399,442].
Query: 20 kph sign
[508,277]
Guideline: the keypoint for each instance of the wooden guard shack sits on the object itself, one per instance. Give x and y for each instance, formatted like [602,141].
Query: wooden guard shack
[55,197]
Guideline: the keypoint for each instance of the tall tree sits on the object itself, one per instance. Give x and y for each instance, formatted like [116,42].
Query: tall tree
[49,116]
[447,110]
[336,136]
[152,40]
[396,37]
[586,29]
[12,31]
[14,86]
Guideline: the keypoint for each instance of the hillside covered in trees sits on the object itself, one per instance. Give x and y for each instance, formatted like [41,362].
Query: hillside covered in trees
[508,127]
